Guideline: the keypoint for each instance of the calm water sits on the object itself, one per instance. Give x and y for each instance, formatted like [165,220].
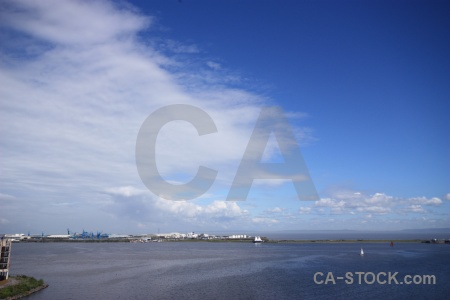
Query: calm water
[227,270]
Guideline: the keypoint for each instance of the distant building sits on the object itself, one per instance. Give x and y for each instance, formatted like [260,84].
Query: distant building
[172,235]
[15,237]
[58,236]
[192,235]
[204,236]
[238,236]
[5,254]
[119,236]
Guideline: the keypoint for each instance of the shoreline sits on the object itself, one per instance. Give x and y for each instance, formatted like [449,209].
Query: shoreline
[20,280]
[32,291]
[266,240]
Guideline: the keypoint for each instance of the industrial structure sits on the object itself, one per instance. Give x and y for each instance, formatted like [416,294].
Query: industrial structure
[5,254]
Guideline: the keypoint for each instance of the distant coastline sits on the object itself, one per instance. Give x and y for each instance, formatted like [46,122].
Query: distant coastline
[429,235]
[265,240]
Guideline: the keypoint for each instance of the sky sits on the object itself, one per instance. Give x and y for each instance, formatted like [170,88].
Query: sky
[361,91]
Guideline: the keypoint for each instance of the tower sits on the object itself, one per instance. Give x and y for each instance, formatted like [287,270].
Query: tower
[5,246]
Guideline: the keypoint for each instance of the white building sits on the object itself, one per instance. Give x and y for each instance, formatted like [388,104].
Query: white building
[192,235]
[58,236]
[238,236]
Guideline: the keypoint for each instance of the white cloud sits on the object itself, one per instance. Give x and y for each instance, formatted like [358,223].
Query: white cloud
[379,199]
[424,201]
[79,97]
[374,209]
[265,221]
[126,191]
[275,210]
[328,202]
[416,209]
[350,202]
[304,210]
[447,196]
[213,65]
[79,103]
[150,212]
[73,22]
[274,182]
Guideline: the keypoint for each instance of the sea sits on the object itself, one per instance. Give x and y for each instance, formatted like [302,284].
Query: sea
[232,270]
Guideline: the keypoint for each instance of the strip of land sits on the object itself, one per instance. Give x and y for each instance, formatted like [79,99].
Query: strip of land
[16,287]
[246,240]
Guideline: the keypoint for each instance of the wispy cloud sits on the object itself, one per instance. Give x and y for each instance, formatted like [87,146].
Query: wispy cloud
[151,212]
[213,65]
[126,191]
[74,23]
[347,202]
[78,79]
[177,47]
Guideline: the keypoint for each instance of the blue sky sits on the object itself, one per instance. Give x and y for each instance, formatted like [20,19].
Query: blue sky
[365,86]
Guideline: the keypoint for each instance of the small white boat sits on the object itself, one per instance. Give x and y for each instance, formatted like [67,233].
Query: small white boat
[257,240]
[362,252]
